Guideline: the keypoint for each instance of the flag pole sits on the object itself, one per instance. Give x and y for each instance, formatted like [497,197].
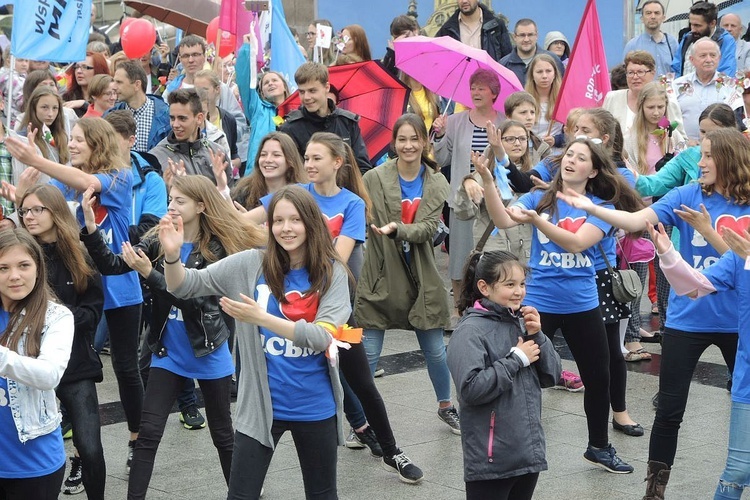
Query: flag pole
[8,108]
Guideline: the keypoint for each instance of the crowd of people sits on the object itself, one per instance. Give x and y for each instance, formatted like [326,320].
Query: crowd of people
[160,210]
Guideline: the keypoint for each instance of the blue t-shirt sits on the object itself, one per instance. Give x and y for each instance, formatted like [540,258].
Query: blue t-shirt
[411,195]
[34,458]
[546,169]
[344,212]
[298,377]
[729,275]
[562,282]
[113,215]
[180,358]
[715,313]
[609,243]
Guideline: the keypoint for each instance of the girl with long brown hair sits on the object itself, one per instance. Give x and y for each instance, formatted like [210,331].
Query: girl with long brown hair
[35,345]
[97,163]
[188,338]
[44,212]
[277,164]
[286,300]
[44,112]
[544,84]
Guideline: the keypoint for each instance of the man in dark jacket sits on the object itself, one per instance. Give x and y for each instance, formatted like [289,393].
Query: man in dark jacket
[526,34]
[477,26]
[318,113]
[703,17]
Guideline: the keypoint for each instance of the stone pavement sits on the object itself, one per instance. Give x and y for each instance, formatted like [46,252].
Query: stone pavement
[187,465]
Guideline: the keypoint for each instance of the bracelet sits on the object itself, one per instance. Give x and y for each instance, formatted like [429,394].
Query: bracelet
[171,262]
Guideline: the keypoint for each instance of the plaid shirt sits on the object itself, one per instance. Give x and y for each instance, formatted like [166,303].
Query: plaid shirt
[143,118]
[6,174]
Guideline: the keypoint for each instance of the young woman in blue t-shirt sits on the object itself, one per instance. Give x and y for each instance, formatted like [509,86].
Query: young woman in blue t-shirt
[719,200]
[43,211]
[563,256]
[188,338]
[36,335]
[287,300]
[96,161]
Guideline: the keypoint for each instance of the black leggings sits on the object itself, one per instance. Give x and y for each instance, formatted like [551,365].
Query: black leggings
[511,488]
[39,488]
[124,327]
[82,406]
[618,372]
[316,444]
[587,339]
[680,352]
[161,393]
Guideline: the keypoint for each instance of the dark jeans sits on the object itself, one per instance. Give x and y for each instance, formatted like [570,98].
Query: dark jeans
[82,405]
[186,398]
[680,352]
[161,394]
[356,370]
[511,488]
[587,339]
[316,444]
[39,488]
[124,326]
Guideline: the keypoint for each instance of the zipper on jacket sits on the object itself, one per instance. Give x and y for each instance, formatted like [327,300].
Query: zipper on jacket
[492,437]
[209,345]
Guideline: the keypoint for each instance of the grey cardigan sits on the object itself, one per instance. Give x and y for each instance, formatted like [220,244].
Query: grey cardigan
[239,273]
[454,149]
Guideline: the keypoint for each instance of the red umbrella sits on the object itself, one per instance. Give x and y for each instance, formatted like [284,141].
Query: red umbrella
[191,16]
[367,89]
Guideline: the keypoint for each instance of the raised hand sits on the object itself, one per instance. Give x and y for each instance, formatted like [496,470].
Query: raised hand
[26,180]
[482,166]
[218,166]
[659,237]
[474,191]
[699,220]
[576,200]
[738,243]
[25,152]
[136,259]
[522,215]
[494,137]
[532,319]
[8,191]
[87,207]
[171,237]
[174,169]
[539,182]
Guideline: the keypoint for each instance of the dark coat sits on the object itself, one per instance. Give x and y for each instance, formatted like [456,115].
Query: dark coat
[207,327]
[500,399]
[514,63]
[87,311]
[301,125]
[495,35]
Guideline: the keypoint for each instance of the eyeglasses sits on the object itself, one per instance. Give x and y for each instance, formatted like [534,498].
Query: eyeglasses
[595,140]
[525,35]
[111,93]
[512,140]
[193,55]
[310,34]
[36,211]
[640,73]
[83,67]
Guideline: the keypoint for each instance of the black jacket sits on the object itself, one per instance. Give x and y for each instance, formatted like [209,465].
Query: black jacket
[87,311]
[514,63]
[207,327]
[301,125]
[495,35]
[229,127]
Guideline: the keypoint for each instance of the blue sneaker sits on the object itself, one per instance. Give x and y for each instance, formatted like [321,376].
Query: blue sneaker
[607,459]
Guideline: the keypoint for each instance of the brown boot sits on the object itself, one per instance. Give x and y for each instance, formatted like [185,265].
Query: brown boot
[657,478]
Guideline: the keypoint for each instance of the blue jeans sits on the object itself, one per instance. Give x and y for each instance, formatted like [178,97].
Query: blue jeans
[433,347]
[737,472]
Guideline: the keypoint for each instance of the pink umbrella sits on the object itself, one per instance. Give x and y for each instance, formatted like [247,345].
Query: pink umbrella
[444,66]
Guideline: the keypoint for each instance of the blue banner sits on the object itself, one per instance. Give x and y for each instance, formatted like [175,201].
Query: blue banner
[286,56]
[51,30]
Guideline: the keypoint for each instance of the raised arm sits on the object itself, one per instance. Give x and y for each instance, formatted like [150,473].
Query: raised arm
[630,222]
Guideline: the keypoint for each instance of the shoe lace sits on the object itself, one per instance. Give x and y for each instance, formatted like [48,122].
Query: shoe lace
[401,460]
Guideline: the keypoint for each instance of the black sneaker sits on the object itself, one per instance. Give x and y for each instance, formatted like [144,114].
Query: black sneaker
[129,461]
[369,439]
[449,415]
[607,459]
[191,418]
[73,485]
[407,471]
[352,442]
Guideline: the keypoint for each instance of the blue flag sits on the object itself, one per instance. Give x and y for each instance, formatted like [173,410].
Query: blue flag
[286,56]
[51,30]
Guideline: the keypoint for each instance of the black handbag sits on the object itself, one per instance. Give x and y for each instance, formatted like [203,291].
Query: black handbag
[626,285]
